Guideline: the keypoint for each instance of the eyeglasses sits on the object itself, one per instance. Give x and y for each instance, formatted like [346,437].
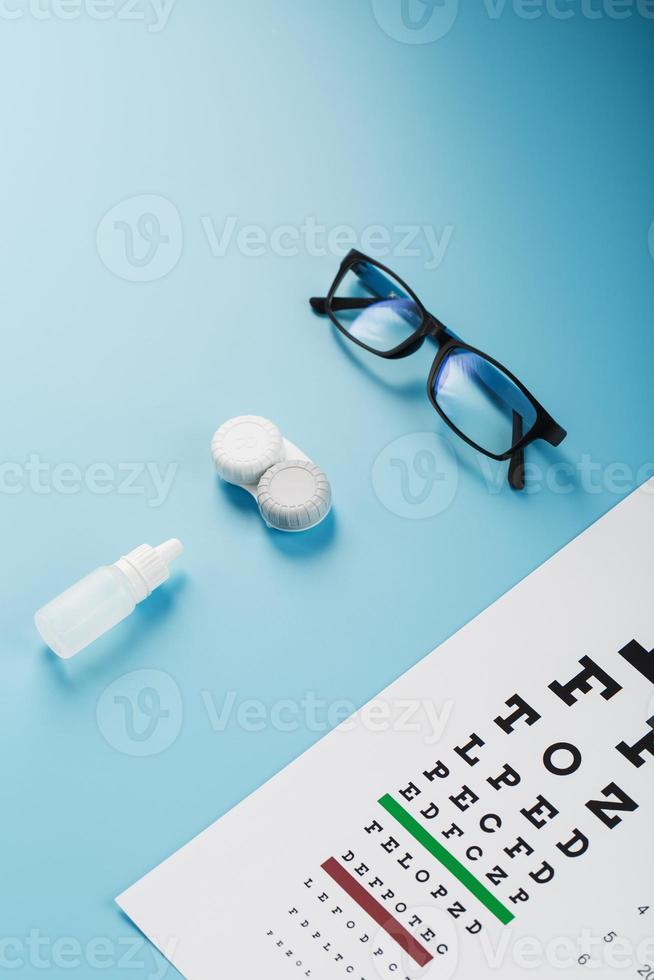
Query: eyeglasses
[480,400]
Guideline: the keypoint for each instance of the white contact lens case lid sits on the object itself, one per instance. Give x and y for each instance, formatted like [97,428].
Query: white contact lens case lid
[293,493]
[245,447]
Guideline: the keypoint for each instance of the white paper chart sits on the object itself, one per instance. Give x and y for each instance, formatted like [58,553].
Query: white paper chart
[517,842]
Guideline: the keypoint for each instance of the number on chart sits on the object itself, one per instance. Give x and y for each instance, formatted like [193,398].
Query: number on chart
[643,908]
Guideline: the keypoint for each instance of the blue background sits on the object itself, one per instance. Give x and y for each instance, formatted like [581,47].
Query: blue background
[532,140]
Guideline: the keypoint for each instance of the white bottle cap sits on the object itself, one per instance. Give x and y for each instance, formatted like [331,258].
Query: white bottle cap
[245,447]
[147,567]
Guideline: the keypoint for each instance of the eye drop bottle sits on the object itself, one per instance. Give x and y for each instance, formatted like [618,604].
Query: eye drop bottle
[101,600]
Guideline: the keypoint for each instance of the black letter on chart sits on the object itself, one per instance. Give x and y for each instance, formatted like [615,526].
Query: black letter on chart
[540,812]
[523,710]
[465,750]
[576,846]
[640,658]
[562,770]
[624,804]
[582,683]
[635,753]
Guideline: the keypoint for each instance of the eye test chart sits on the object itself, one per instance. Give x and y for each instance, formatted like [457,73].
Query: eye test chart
[519,842]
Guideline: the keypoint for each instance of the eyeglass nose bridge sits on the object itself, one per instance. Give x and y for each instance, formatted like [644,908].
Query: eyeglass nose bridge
[437,330]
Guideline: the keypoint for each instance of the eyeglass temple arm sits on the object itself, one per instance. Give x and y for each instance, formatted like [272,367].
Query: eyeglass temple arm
[319,303]
[517,460]
[555,434]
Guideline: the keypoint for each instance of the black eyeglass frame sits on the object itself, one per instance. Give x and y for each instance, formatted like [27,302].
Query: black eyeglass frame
[544,427]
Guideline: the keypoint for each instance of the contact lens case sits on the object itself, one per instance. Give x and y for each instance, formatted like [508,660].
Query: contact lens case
[293,493]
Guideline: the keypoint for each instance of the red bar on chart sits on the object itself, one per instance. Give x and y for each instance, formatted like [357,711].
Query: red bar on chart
[377,912]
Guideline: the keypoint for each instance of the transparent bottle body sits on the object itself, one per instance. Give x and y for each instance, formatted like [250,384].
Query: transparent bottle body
[85,611]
